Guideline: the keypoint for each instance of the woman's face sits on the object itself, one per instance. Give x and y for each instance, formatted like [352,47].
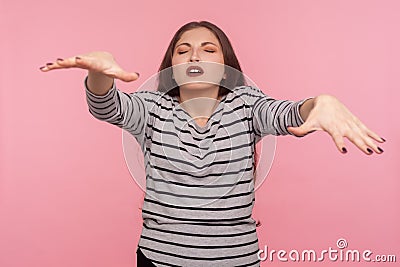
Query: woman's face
[197,59]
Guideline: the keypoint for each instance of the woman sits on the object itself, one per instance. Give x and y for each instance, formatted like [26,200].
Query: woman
[198,134]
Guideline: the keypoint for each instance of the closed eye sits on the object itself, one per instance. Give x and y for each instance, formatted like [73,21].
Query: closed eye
[210,51]
[181,52]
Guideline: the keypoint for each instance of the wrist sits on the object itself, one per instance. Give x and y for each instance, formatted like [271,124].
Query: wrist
[306,108]
[98,83]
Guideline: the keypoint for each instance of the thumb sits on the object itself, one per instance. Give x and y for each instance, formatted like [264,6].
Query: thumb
[127,76]
[301,130]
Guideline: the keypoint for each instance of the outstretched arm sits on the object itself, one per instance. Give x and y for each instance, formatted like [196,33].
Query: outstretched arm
[102,70]
[327,113]
[105,101]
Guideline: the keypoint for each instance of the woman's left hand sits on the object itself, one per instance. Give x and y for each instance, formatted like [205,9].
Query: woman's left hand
[330,115]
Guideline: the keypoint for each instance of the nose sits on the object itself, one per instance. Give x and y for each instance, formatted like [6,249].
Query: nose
[194,57]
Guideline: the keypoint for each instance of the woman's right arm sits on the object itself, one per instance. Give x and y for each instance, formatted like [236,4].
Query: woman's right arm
[105,102]
[102,70]
[98,83]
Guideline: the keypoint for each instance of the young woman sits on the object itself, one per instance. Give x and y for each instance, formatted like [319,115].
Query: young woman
[198,133]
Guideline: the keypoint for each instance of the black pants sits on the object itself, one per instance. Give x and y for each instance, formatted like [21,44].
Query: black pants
[142,261]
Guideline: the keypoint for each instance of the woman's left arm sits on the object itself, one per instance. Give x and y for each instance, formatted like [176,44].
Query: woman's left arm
[327,113]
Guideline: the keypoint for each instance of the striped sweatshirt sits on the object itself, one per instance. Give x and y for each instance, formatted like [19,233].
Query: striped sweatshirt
[197,209]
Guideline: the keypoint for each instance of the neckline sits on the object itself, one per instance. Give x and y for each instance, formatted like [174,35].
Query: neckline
[192,121]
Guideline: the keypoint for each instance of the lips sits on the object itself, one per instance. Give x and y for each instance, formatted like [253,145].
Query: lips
[194,71]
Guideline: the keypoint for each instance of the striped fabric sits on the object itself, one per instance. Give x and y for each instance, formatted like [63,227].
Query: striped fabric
[199,180]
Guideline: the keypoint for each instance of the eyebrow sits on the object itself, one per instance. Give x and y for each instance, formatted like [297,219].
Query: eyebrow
[202,44]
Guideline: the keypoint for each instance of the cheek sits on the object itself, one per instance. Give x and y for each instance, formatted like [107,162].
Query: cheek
[174,61]
[177,59]
[217,58]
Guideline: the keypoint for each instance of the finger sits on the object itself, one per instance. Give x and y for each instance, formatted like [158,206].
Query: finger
[339,142]
[370,144]
[302,130]
[370,133]
[120,74]
[89,63]
[127,76]
[70,62]
[60,64]
[46,67]
[50,66]
[358,141]
[375,136]
[369,137]
[295,131]
[113,71]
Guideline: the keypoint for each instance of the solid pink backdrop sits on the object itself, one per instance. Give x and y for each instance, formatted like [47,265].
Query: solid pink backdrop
[66,195]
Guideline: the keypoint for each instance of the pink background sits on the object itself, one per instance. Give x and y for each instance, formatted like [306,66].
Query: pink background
[66,195]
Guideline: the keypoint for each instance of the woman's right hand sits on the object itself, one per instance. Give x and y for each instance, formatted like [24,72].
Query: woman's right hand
[96,63]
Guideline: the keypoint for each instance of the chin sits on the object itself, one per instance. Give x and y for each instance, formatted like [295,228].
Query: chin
[198,86]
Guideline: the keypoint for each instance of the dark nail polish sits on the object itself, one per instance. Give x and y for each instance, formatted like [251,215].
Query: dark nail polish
[49,64]
[42,67]
[380,149]
[60,59]
[78,58]
[344,150]
[369,151]
[383,139]
[137,74]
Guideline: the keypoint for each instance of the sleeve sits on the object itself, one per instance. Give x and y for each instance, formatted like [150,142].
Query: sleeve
[127,111]
[271,116]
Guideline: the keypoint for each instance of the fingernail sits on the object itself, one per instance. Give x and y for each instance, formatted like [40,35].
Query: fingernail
[344,150]
[369,151]
[383,139]
[78,58]
[137,74]
[380,149]
[60,59]
[49,64]
[42,67]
